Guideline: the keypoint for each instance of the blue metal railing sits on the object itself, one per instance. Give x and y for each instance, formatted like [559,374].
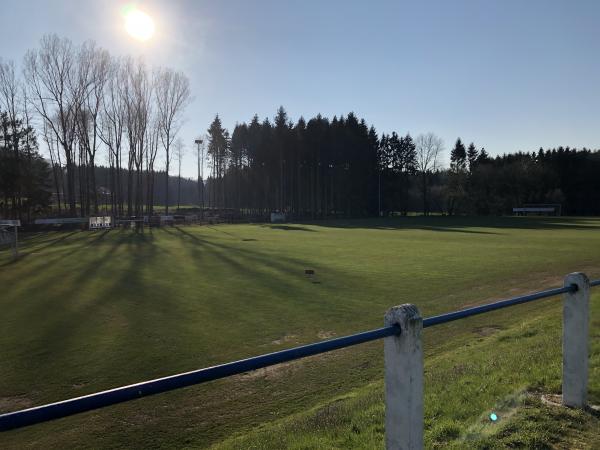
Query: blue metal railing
[76,405]
[133,391]
[449,317]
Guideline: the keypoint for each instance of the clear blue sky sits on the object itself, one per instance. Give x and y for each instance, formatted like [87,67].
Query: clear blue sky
[508,75]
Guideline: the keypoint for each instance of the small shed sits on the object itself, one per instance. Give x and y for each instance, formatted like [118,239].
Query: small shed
[277,217]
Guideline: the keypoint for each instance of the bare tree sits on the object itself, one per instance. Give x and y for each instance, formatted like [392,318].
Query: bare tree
[172,96]
[10,88]
[112,127]
[50,75]
[153,142]
[54,152]
[93,65]
[9,101]
[429,148]
[85,99]
[138,112]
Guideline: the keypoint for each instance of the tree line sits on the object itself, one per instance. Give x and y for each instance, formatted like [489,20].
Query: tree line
[87,106]
[85,102]
[343,167]
[316,168]
[477,184]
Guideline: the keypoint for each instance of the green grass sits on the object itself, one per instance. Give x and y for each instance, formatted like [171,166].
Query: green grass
[505,373]
[87,311]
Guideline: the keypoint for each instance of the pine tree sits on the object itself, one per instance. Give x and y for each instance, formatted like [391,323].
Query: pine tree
[472,155]
[457,181]
[24,173]
[238,156]
[281,134]
[218,147]
[458,157]
[483,156]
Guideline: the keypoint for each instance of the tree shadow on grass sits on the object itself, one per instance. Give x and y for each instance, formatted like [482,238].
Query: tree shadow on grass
[454,230]
[59,238]
[39,243]
[250,254]
[225,252]
[282,275]
[86,340]
[134,308]
[82,313]
[464,224]
[289,228]
[134,296]
[218,229]
[79,253]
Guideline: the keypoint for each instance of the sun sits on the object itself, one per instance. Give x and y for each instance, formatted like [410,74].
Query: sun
[138,24]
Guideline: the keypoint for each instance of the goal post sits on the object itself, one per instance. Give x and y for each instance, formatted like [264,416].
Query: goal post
[8,237]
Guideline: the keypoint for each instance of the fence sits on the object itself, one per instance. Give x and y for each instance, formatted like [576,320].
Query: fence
[403,365]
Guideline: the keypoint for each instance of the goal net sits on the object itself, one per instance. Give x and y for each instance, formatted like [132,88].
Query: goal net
[7,236]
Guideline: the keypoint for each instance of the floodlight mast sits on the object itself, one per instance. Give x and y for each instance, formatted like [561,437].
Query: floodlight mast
[199,142]
[16,250]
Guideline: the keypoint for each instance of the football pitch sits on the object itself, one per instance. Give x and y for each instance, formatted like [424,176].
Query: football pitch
[87,311]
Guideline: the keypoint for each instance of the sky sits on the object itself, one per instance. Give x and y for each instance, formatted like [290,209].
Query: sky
[507,75]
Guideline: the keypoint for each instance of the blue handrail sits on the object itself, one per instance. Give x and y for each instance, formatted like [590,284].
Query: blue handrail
[76,405]
[449,317]
[97,400]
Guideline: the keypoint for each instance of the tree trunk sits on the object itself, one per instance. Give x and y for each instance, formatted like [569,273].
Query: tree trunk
[167,180]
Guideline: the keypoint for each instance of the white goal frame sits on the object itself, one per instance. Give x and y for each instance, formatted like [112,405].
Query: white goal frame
[15,243]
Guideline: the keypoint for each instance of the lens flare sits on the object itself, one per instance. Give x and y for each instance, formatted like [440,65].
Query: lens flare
[138,24]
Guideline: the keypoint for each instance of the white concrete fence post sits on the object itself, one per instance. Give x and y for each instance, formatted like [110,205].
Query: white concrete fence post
[576,309]
[404,380]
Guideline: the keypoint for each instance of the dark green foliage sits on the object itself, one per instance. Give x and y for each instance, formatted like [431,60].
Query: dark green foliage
[218,152]
[24,174]
[397,162]
[341,167]
[472,156]
[565,176]
[318,168]
[457,179]
[458,157]
[309,169]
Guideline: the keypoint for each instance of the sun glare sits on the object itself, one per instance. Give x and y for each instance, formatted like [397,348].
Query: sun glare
[138,24]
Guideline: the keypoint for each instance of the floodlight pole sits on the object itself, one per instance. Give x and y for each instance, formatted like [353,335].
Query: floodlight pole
[379,190]
[16,242]
[200,174]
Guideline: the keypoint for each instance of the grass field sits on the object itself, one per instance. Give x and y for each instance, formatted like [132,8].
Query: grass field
[84,311]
